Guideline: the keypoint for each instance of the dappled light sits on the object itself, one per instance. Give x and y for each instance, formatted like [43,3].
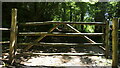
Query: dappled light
[60,34]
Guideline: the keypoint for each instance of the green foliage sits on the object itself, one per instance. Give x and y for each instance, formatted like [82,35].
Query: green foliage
[79,13]
[62,11]
[89,28]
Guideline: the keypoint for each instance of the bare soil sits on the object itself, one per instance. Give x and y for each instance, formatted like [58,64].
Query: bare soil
[38,61]
[68,60]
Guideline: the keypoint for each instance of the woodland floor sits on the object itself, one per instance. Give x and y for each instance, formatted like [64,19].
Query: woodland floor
[69,60]
[58,61]
[63,61]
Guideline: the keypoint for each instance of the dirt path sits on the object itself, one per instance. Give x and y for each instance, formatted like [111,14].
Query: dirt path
[64,60]
[69,60]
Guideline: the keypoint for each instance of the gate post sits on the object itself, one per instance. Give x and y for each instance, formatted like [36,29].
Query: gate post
[115,43]
[13,36]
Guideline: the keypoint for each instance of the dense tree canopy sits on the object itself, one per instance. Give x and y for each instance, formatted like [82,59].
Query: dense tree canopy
[61,11]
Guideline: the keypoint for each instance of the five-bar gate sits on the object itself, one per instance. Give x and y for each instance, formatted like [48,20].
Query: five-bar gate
[105,34]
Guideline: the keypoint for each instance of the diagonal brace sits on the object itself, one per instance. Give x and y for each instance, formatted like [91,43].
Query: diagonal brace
[89,40]
[40,38]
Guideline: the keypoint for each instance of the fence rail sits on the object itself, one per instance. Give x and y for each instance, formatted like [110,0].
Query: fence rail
[4,28]
[62,54]
[3,42]
[56,34]
[61,44]
[57,22]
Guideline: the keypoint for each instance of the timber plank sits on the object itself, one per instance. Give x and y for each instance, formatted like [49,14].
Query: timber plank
[58,22]
[56,34]
[61,44]
[3,42]
[62,54]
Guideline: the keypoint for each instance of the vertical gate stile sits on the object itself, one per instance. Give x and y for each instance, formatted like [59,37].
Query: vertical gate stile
[103,36]
[13,36]
[107,39]
[16,38]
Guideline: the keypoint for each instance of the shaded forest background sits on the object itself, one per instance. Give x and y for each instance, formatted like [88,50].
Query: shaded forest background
[59,11]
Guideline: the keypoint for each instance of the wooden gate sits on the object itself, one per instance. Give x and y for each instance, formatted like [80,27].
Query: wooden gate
[105,36]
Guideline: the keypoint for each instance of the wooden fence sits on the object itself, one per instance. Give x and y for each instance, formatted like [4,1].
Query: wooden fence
[105,34]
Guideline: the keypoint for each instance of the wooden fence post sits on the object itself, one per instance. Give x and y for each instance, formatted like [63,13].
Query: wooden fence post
[115,43]
[13,36]
[107,39]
